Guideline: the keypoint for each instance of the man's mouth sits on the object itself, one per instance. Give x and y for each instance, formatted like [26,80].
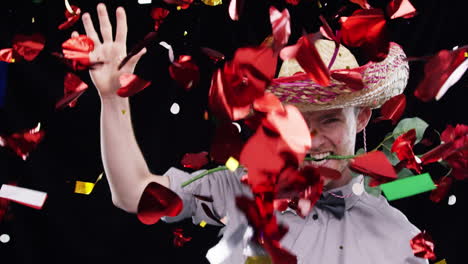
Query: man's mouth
[320,158]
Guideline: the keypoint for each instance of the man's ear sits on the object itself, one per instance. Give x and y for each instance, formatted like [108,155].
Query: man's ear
[363,118]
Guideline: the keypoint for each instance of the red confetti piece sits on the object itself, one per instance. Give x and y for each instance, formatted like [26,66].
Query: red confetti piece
[443,187]
[158,14]
[179,238]
[268,103]
[306,54]
[400,8]
[254,121]
[293,2]
[281,27]
[23,143]
[195,160]
[454,151]
[376,165]
[28,47]
[77,50]
[242,80]
[226,143]
[157,201]
[362,3]
[393,109]
[366,29]
[185,72]
[423,246]
[72,18]
[218,101]
[74,87]
[148,39]
[6,55]
[403,148]
[440,72]
[131,84]
[292,130]
[4,203]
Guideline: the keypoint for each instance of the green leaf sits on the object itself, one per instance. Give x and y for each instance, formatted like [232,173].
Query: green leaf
[409,123]
[405,173]
[375,191]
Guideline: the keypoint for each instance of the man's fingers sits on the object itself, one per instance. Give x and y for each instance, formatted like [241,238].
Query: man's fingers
[74,34]
[121,34]
[89,28]
[104,23]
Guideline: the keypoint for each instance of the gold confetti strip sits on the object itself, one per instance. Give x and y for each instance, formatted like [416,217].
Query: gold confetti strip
[124,111]
[212,2]
[441,262]
[258,260]
[86,187]
[202,223]
[232,164]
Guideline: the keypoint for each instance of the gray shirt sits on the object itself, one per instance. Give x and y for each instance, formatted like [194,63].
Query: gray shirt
[370,232]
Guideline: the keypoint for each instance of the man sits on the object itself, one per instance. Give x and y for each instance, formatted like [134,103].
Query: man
[367,231]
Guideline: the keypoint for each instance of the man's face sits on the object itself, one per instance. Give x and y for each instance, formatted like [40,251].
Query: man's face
[334,133]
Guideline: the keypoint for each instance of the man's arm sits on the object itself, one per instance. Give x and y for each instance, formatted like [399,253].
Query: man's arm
[125,166]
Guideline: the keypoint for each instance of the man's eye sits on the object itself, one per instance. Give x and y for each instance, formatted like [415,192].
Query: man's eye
[330,120]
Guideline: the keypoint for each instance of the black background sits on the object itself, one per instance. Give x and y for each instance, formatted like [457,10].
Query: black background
[74,228]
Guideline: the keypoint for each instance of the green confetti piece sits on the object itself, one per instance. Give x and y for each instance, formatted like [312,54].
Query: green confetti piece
[408,186]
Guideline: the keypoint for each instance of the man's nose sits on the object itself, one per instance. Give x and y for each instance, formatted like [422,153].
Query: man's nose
[318,140]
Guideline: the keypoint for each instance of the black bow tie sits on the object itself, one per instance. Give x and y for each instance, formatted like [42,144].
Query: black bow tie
[332,204]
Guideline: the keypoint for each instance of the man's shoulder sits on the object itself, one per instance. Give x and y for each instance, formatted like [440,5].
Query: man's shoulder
[383,210]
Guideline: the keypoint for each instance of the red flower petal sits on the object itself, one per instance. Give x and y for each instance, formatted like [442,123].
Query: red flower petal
[423,246]
[131,84]
[254,121]
[71,18]
[352,78]
[74,87]
[28,47]
[443,187]
[393,109]
[226,143]
[403,148]
[23,143]
[306,54]
[6,55]
[376,165]
[158,14]
[400,8]
[440,72]
[195,160]
[157,201]
[281,26]
[185,72]
[366,29]
[179,238]
[268,103]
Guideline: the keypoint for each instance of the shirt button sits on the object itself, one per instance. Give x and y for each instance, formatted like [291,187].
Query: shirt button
[315,216]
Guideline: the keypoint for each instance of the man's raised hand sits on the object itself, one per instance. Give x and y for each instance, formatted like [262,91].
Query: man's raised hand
[110,51]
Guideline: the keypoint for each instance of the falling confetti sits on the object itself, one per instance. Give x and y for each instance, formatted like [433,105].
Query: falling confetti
[202,223]
[452,199]
[4,238]
[232,164]
[408,186]
[86,187]
[175,108]
[28,197]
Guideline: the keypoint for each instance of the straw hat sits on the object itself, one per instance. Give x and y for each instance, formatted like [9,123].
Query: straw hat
[382,80]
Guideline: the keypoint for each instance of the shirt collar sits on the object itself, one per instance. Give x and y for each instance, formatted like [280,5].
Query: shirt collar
[347,190]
